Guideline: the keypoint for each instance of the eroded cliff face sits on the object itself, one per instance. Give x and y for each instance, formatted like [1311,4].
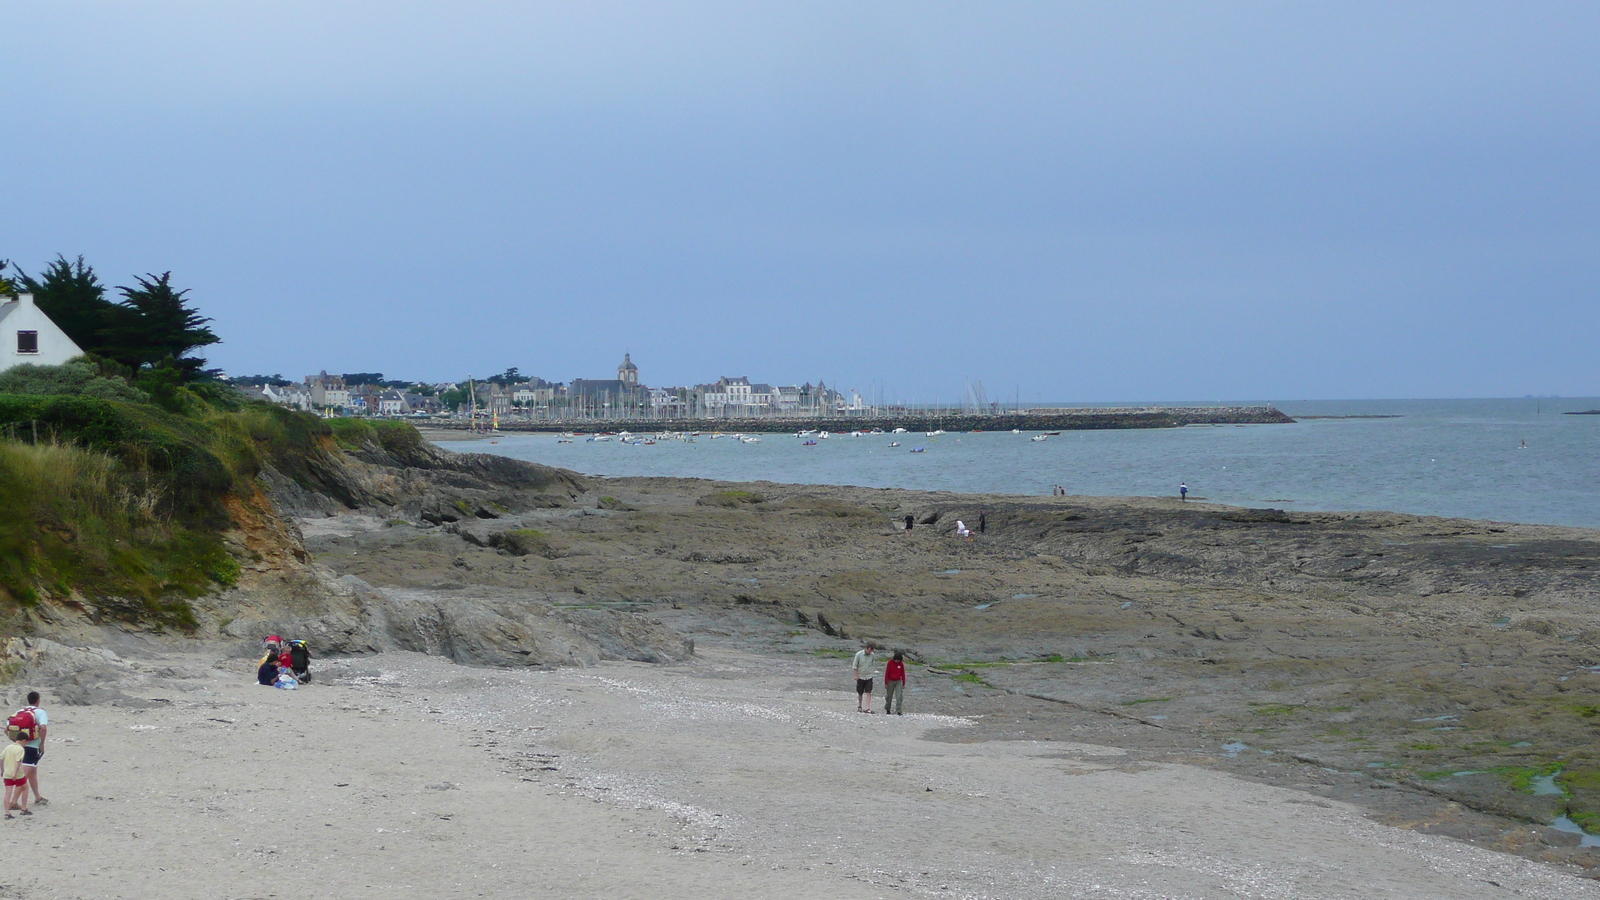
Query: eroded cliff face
[285,591]
[282,589]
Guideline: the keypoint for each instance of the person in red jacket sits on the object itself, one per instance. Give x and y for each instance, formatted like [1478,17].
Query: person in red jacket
[894,686]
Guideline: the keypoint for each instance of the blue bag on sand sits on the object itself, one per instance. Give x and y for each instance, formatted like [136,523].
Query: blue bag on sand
[286,682]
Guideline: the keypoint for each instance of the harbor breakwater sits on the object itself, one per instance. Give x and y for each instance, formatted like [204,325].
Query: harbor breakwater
[1080,419]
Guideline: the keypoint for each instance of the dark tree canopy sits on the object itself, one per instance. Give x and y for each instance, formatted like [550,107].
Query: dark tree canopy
[154,323]
[71,294]
[275,380]
[352,379]
[509,376]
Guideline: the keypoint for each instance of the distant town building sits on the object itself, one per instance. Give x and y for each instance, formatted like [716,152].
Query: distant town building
[293,396]
[628,373]
[28,336]
[327,391]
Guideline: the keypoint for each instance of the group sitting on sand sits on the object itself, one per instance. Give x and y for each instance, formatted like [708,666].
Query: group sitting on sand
[287,664]
[864,667]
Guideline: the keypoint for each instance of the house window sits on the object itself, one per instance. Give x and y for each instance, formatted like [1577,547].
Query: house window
[27,342]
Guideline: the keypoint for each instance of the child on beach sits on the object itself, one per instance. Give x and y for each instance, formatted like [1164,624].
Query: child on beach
[16,782]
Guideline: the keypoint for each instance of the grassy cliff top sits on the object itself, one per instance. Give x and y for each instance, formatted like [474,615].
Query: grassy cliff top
[120,498]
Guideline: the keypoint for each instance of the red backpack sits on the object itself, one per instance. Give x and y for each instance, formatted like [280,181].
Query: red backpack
[23,720]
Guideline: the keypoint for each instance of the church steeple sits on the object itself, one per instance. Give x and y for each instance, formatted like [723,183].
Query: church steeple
[628,373]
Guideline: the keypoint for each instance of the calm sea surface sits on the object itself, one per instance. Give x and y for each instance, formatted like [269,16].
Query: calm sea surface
[1440,457]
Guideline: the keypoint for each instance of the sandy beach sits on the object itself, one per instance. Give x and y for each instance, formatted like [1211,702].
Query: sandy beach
[735,775]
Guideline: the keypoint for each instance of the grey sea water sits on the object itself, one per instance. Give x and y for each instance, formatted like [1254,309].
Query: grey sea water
[1438,457]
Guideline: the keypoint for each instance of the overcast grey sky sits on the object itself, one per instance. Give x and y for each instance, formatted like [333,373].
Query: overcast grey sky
[1085,201]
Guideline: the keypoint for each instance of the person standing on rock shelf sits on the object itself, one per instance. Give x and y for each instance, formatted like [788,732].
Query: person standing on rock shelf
[1183,490]
[894,685]
[864,667]
[910,521]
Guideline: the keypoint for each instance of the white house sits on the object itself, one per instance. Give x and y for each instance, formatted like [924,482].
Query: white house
[28,336]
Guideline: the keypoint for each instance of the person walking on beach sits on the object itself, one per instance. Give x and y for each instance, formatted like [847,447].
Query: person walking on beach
[16,783]
[33,750]
[894,685]
[1183,490]
[864,667]
[983,523]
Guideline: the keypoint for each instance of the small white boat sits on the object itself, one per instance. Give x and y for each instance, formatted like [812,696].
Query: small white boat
[899,431]
[752,439]
[1016,431]
[894,443]
[1038,437]
[936,432]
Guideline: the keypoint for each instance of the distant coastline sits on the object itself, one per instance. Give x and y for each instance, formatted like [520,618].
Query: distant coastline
[1075,419]
[1390,416]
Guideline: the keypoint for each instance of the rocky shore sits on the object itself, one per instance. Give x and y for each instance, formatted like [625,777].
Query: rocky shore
[1221,701]
[1430,669]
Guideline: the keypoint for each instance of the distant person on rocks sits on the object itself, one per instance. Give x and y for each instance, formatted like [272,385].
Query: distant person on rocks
[983,523]
[33,750]
[962,531]
[894,686]
[1183,490]
[864,668]
[910,521]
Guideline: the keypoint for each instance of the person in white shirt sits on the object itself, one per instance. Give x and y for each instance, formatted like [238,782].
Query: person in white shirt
[864,667]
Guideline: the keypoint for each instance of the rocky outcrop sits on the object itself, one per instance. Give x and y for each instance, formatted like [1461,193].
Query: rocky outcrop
[421,483]
[472,627]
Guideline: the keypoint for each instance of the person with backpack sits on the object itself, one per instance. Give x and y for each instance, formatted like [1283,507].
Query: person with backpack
[37,724]
[16,783]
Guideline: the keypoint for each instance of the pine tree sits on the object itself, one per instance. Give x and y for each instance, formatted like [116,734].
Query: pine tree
[157,324]
[71,294]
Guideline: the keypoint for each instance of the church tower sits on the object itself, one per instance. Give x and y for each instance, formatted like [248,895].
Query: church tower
[628,373]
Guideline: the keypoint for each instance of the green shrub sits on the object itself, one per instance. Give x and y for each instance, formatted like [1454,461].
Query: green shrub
[77,377]
[523,542]
[731,499]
